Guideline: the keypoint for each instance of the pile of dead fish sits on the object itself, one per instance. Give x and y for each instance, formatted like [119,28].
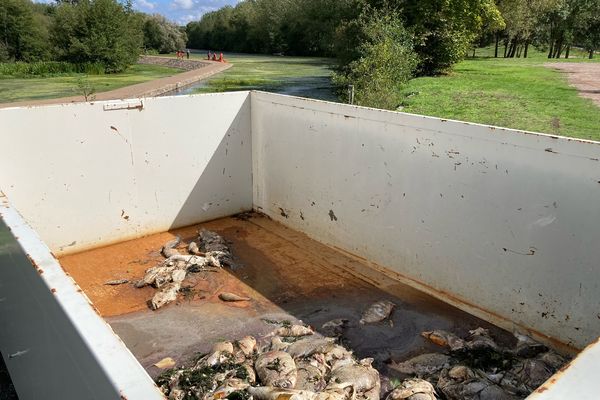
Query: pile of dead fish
[293,363]
[476,368]
[210,252]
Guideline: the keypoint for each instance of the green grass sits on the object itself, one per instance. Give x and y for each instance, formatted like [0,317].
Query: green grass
[513,93]
[17,89]
[269,73]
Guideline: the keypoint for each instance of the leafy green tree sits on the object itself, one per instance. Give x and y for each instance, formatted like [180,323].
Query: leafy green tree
[23,32]
[162,35]
[387,61]
[93,31]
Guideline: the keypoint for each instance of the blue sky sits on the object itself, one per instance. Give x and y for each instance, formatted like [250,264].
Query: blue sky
[178,11]
[181,11]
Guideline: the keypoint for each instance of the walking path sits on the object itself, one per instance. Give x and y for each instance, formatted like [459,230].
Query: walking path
[195,71]
[585,77]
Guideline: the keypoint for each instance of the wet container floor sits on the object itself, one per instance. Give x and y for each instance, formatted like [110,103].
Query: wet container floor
[287,275]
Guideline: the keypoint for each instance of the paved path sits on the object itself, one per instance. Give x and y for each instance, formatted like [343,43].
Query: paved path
[195,71]
[585,77]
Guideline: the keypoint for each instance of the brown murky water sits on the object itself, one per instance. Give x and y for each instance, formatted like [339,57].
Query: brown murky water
[286,274]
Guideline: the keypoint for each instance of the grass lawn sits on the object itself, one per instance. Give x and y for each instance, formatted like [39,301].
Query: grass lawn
[16,89]
[514,93]
[306,75]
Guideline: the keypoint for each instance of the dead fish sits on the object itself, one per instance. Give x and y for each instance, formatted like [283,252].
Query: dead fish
[229,386]
[527,347]
[117,282]
[413,389]
[553,360]
[336,354]
[461,373]
[424,364]
[156,276]
[481,340]
[361,377]
[276,368]
[232,297]
[194,249]
[272,393]
[169,249]
[165,295]
[308,346]
[532,373]
[377,312]
[220,352]
[335,394]
[310,377]
[176,394]
[293,331]
[278,345]
[445,339]
[465,384]
[248,345]
[334,328]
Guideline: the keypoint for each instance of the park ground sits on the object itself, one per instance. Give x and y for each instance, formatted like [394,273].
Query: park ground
[527,94]
[64,85]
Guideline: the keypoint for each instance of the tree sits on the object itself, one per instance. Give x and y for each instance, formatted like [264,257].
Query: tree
[23,32]
[162,35]
[386,63]
[97,31]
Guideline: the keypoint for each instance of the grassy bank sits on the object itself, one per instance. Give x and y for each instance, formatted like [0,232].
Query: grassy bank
[17,89]
[302,76]
[514,93]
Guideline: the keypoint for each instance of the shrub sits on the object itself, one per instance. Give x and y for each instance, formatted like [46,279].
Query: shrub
[386,62]
[48,68]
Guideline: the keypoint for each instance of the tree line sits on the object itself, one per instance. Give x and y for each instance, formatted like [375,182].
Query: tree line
[108,33]
[551,25]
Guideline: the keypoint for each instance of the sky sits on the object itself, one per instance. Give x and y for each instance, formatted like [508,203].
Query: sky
[181,11]
[178,11]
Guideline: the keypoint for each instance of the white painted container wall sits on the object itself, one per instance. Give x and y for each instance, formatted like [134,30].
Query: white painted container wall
[502,221]
[85,175]
[499,222]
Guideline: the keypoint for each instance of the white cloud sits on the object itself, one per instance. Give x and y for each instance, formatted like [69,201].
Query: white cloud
[183,4]
[145,4]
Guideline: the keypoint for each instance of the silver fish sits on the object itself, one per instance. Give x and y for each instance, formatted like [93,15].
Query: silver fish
[361,377]
[169,249]
[422,365]
[276,368]
[232,297]
[293,331]
[413,389]
[116,282]
[165,295]
[377,312]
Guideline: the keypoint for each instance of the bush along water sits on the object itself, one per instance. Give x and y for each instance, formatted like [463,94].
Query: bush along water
[49,68]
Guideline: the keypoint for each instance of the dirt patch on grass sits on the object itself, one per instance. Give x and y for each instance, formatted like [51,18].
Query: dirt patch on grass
[585,77]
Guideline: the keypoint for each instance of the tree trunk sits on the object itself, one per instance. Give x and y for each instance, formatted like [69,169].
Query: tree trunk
[526,49]
[474,52]
[505,47]
[519,50]
[568,51]
[551,49]
[591,54]
[559,50]
[513,48]
[496,48]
